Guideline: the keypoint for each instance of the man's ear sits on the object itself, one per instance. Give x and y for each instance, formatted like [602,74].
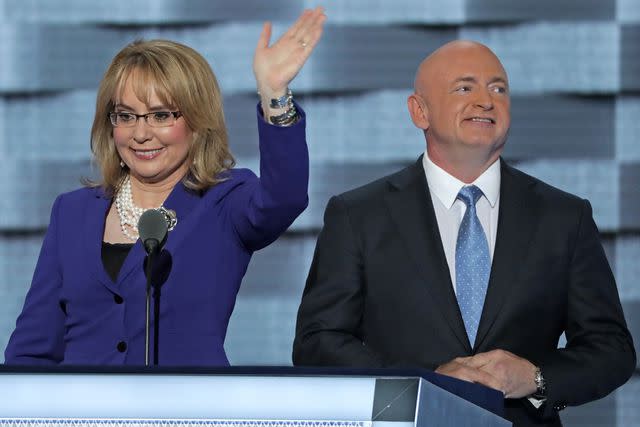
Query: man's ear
[418,111]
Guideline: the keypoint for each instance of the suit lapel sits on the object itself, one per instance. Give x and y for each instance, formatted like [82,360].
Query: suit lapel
[93,228]
[411,208]
[516,226]
[183,201]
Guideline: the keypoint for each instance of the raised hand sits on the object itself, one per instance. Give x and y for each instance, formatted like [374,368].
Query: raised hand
[276,65]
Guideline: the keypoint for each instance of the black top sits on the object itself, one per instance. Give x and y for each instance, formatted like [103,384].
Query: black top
[113,256]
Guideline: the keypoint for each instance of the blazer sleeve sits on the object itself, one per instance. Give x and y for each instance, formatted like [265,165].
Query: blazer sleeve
[599,355]
[38,337]
[327,329]
[263,208]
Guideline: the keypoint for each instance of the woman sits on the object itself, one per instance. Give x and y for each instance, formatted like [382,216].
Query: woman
[159,140]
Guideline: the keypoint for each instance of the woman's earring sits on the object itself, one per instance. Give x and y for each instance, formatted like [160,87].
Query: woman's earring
[121,164]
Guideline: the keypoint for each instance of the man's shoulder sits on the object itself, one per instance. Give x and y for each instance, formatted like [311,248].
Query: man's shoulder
[544,191]
[375,190]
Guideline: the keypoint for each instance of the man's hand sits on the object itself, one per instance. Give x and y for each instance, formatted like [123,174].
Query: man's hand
[498,369]
[515,374]
[460,368]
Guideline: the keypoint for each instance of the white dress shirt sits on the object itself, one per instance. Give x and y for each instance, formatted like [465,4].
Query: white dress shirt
[444,189]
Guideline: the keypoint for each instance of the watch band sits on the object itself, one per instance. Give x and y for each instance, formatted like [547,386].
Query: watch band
[541,385]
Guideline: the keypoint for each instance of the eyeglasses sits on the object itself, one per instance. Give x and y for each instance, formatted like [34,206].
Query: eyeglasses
[157,119]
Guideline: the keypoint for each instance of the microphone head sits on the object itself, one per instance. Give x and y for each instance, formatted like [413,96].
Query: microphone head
[153,229]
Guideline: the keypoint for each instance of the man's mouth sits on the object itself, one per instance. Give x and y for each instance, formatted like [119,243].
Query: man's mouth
[482,120]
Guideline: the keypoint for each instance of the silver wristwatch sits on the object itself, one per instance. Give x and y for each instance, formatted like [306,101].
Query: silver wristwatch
[541,385]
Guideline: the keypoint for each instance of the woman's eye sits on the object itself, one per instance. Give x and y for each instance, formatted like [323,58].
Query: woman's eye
[161,116]
[126,117]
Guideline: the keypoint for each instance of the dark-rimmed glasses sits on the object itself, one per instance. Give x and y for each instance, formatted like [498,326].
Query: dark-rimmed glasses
[156,119]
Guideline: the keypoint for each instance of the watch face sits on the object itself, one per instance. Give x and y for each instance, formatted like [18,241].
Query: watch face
[540,385]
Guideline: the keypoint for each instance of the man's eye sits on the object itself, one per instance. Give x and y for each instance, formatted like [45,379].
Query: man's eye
[126,117]
[463,89]
[161,116]
[499,89]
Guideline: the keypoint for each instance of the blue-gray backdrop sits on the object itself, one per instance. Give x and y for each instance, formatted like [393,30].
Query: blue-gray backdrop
[574,67]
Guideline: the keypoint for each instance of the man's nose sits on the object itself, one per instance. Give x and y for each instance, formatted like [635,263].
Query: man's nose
[484,99]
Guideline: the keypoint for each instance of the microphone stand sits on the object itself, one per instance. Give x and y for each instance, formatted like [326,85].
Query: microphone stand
[153,226]
[152,245]
[156,322]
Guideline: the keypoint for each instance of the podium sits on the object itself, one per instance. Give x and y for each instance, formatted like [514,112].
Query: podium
[238,397]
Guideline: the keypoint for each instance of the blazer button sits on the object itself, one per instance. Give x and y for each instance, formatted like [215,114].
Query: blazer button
[122,346]
[118,299]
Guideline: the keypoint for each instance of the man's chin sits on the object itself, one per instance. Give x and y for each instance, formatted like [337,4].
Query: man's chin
[488,144]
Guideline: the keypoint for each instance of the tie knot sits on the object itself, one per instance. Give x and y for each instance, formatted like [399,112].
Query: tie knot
[470,195]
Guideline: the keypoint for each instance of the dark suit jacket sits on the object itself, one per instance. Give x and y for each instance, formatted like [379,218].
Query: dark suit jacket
[75,314]
[379,291]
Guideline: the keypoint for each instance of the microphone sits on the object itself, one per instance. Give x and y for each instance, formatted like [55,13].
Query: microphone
[153,228]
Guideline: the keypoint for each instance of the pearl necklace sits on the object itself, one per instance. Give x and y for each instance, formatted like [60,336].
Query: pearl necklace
[128,212]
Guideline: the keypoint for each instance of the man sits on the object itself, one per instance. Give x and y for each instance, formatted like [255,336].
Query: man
[463,264]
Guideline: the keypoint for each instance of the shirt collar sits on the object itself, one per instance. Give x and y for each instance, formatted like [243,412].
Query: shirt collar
[446,187]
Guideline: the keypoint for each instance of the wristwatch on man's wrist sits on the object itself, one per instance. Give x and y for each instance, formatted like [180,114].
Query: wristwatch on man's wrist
[541,385]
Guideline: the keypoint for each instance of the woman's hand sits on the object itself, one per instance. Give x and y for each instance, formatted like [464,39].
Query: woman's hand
[276,65]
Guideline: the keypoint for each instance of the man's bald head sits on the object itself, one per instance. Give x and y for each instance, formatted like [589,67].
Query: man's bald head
[462,103]
[447,55]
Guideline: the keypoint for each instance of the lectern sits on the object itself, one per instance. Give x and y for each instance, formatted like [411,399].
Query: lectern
[231,397]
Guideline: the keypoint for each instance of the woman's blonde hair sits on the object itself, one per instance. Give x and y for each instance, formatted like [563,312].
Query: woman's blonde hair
[182,79]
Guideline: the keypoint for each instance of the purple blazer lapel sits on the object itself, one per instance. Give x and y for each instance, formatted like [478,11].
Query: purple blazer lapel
[93,232]
[183,201]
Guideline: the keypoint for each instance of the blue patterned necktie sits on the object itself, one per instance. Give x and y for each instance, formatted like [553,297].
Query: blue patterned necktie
[473,263]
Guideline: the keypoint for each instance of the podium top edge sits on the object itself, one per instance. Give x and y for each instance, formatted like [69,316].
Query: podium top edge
[224,371]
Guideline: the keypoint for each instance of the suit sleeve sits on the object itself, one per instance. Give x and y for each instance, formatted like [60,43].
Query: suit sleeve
[599,355]
[263,208]
[327,330]
[38,337]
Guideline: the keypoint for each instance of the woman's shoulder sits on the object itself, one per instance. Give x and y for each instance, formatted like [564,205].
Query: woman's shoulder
[231,180]
[84,193]
[237,175]
[81,195]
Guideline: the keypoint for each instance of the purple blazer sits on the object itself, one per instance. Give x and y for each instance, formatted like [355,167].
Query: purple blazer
[75,314]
